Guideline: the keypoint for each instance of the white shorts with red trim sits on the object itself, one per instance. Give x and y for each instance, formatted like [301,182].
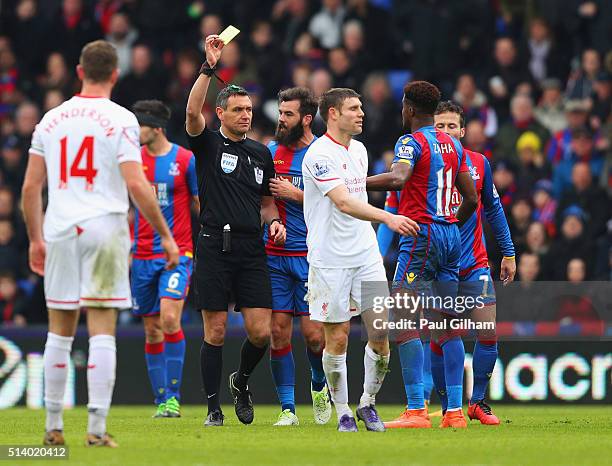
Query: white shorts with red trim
[337,295]
[91,268]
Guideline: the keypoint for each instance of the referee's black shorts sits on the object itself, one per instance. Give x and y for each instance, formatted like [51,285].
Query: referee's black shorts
[240,276]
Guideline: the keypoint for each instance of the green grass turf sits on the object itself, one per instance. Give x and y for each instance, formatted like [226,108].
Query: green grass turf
[555,435]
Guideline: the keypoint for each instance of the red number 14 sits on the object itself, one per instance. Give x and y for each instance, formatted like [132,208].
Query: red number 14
[89,172]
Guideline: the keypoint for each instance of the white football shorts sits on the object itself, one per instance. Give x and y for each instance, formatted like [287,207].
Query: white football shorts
[337,295]
[91,268]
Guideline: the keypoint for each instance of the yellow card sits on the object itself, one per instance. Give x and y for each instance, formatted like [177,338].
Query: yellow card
[228,34]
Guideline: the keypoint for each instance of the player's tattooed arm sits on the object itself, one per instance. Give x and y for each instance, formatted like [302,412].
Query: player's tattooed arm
[284,189]
[465,186]
[195,122]
[394,180]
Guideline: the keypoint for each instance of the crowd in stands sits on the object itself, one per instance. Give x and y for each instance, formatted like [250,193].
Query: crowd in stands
[534,78]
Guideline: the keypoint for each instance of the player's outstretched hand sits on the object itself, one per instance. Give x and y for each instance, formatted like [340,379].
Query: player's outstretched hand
[37,253]
[507,270]
[213,46]
[172,252]
[278,234]
[403,225]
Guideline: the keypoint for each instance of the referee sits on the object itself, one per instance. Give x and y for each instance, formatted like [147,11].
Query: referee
[233,184]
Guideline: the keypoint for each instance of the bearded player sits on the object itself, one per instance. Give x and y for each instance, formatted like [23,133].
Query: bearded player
[288,265]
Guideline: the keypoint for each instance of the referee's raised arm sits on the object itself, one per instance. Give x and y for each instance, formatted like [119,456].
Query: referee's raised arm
[195,122]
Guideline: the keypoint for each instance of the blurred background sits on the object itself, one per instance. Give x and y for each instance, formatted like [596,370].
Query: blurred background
[534,78]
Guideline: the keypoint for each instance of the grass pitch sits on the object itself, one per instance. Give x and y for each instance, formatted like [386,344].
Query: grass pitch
[555,435]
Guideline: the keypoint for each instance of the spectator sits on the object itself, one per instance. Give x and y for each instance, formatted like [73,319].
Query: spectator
[290,19]
[72,27]
[545,206]
[57,75]
[591,198]
[571,243]
[574,306]
[524,301]
[520,218]
[474,104]
[145,81]
[11,255]
[355,46]
[300,76]
[27,29]
[476,139]
[580,84]
[504,180]
[533,165]
[264,56]
[521,108]
[549,111]
[187,66]
[53,98]
[505,76]
[12,301]
[26,118]
[13,163]
[319,82]
[9,77]
[123,36]
[537,242]
[374,29]
[342,72]
[582,150]
[382,125]
[576,114]
[544,58]
[326,25]
[602,101]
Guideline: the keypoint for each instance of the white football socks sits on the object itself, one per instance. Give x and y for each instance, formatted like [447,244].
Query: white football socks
[334,367]
[375,368]
[56,360]
[101,367]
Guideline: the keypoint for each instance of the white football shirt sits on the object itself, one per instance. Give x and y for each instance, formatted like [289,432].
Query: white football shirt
[83,141]
[335,239]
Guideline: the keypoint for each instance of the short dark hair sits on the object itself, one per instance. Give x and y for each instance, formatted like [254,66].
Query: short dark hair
[152,113]
[228,92]
[424,95]
[98,60]
[448,106]
[308,103]
[334,98]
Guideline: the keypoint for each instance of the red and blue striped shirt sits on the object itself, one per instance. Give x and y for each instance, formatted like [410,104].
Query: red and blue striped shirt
[436,158]
[288,165]
[174,181]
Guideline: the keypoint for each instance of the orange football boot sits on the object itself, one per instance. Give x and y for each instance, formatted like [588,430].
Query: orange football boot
[454,419]
[483,413]
[411,418]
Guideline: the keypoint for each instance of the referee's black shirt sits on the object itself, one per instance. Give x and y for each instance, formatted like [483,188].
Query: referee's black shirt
[232,177]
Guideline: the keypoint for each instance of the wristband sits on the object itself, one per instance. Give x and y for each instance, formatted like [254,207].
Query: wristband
[276,220]
[206,70]
[510,258]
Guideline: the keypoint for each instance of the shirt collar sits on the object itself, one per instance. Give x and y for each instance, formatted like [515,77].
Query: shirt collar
[224,136]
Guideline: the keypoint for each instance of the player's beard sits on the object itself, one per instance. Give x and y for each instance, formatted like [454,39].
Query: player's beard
[289,136]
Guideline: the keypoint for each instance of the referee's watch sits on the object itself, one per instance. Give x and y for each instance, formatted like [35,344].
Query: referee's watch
[276,220]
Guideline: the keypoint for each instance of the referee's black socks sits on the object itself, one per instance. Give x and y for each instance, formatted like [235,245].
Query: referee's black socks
[250,355]
[211,363]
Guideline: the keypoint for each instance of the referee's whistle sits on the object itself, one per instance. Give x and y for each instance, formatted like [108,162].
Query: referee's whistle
[227,238]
